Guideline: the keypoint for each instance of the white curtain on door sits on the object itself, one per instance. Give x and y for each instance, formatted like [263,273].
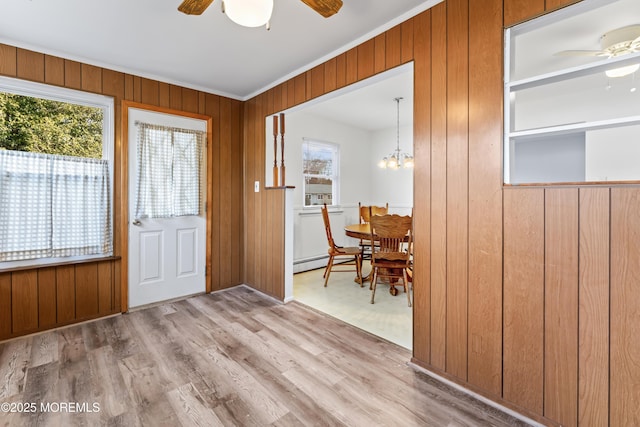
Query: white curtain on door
[53,206]
[169,171]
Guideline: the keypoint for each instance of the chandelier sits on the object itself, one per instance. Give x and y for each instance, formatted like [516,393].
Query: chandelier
[397,159]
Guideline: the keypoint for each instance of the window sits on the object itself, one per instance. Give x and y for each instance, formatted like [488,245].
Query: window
[320,163]
[55,174]
[571,105]
[169,163]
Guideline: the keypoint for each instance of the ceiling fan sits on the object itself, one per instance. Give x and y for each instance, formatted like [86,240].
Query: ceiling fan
[325,8]
[614,43]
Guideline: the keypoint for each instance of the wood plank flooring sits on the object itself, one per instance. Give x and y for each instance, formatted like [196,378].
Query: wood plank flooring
[231,358]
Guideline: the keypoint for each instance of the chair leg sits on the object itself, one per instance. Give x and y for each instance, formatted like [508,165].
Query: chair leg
[374,282]
[359,269]
[327,270]
[406,286]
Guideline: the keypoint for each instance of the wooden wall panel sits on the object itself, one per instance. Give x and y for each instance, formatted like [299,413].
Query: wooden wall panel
[53,70]
[212,108]
[291,93]
[175,97]
[72,74]
[366,59]
[8,60]
[164,95]
[625,307]
[66,293]
[105,288]
[550,5]
[379,54]
[516,11]
[421,199]
[277,94]
[341,70]
[267,243]
[24,301]
[393,47]
[438,103]
[40,298]
[523,318]
[330,75]
[86,290]
[300,88]
[351,67]
[277,248]
[47,316]
[317,82]
[190,100]
[30,65]
[457,186]
[485,196]
[225,192]
[5,305]
[91,78]
[593,374]
[406,40]
[561,305]
[249,196]
[113,85]
[237,258]
[149,92]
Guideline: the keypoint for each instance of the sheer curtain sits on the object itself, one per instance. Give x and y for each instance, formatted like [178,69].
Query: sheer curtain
[53,206]
[169,171]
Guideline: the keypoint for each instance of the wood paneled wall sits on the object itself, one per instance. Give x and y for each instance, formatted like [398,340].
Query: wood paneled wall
[523,294]
[226,162]
[47,297]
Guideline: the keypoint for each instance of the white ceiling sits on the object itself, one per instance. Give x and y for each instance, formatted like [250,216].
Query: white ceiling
[579,27]
[151,38]
[370,104]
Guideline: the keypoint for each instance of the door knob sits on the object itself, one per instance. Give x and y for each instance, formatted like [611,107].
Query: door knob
[136,222]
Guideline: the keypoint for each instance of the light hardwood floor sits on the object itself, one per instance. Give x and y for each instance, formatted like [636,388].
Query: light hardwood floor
[235,357]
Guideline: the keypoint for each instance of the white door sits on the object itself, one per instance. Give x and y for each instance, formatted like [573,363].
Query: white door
[166,255]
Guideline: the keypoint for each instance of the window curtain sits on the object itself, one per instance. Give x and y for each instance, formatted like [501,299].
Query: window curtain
[169,171]
[53,206]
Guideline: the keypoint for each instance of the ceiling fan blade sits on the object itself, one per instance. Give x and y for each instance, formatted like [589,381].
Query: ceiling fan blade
[194,7]
[325,8]
[581,53]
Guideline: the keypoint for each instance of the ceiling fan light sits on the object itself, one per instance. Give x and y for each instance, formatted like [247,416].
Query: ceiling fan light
[622,71]
[249,13]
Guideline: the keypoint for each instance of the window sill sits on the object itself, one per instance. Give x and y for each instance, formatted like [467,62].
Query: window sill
[35,264]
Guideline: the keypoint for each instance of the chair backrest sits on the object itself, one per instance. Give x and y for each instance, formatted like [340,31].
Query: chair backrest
[327,226]
[392,232]
[367,211]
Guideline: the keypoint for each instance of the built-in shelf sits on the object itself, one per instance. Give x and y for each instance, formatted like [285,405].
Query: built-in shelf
[574,127]
[573,72]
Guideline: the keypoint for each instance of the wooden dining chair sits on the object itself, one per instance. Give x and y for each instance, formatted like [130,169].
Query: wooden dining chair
[391,260]
[339,252]
[365,213]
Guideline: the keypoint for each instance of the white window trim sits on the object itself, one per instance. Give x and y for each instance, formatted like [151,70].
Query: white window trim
[55,93]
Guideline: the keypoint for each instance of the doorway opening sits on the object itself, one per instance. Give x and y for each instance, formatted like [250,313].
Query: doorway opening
[362,122]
